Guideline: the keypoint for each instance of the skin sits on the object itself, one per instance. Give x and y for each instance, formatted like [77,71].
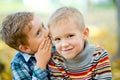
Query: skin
[68,38]
[39,43]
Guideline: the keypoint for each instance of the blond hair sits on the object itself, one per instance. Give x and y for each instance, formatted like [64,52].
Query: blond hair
[13,33]
[67,13]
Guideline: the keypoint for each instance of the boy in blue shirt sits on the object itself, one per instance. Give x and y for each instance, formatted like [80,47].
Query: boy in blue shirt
[25,32]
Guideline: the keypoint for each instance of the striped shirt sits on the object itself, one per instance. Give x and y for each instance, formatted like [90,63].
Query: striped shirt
[92,64]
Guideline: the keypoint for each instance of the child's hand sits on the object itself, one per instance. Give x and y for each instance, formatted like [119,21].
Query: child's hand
[44,53]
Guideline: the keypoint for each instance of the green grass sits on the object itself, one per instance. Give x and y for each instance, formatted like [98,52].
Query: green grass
[103,6]
[10,7]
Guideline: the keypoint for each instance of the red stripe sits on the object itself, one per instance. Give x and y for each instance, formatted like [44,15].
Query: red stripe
[51,64]
[104,59]
[102,65]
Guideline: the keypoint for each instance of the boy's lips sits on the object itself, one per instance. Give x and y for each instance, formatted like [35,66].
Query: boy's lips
[67,50]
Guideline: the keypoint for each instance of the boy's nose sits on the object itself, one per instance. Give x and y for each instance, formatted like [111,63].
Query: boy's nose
[64,43]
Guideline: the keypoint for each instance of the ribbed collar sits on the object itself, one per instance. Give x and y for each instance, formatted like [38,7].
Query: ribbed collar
[82,58]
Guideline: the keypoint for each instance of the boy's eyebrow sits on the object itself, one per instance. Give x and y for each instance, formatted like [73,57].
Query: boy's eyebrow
[43,25]
[55,37]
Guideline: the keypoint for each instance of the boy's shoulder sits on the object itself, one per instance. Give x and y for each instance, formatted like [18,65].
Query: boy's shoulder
[99,49]
[18,58]
[100,52]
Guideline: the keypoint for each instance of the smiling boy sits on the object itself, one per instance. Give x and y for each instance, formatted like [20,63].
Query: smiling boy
[75,58]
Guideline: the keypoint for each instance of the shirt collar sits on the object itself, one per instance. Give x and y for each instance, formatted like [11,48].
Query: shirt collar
[26,56]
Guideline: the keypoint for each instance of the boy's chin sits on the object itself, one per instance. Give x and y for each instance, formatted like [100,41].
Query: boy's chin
[68,57]
[31,53]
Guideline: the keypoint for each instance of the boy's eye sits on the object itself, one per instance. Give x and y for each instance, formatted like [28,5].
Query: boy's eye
[70,36]
[38,33]
[57,39]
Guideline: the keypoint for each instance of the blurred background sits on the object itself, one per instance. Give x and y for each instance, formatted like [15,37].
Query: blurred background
[101,16]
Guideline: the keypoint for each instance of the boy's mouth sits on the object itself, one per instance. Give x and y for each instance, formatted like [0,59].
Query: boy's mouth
[67,50]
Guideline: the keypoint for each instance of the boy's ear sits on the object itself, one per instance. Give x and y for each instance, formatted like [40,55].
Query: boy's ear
[24,49]
[86,33]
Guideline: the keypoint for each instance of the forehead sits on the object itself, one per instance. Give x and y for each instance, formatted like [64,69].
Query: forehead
[65,23]
[64,27]
[33,26]
[34,23]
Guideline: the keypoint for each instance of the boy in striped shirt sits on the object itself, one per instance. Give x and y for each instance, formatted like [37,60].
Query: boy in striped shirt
[75,58]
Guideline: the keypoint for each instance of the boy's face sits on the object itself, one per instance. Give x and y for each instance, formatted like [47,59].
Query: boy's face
[36,35]
[68,39]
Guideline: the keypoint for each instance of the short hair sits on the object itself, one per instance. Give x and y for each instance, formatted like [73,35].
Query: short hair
[67,13]
[13,33]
